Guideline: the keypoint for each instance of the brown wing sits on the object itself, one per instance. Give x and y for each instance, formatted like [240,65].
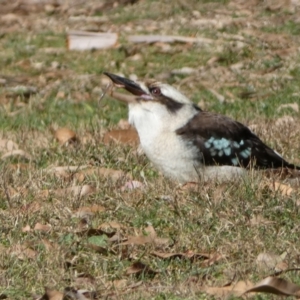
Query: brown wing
[223,141]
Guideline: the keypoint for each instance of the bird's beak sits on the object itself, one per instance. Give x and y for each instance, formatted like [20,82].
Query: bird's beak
[129,85]
[134,88]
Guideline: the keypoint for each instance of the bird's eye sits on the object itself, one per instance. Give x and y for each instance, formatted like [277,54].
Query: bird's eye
[155,91]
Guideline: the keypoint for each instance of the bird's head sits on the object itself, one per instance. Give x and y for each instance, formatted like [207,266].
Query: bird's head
[150,93]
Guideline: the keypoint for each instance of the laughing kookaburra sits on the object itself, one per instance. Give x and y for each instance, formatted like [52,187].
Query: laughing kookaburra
[186,143]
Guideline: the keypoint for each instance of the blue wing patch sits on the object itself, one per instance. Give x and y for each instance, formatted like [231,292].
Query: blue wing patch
[224,148]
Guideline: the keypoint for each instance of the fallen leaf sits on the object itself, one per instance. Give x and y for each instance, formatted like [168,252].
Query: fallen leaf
[277,286]
[123,136]
[60,95]
[87,211]
[26,228]
[281,266]
[22,252]
[123,124]
[140,268]
[147,236]
[43,194]
[16,192]
[236,289]
[284,189]
[135,57]
[65,136]
[10,18]
[42,227]
[84,40]
[52,294]
[7,145]
[17,152]
[111,224]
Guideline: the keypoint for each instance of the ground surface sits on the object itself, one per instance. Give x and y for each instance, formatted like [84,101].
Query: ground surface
[86,227]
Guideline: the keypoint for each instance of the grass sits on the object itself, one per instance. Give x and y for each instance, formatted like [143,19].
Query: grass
[214,218]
